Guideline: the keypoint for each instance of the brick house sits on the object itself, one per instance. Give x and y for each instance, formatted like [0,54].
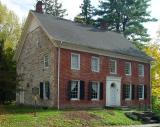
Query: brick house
[74,65]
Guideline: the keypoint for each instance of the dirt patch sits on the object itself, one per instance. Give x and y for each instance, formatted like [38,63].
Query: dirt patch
[83,115]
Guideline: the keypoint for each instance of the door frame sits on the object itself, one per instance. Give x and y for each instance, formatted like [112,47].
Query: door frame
[109,81]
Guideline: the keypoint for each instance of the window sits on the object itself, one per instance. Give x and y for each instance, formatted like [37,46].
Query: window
[141,91]
[95,64]
[95,90]
[75,61]
[44,90]
[46,61]
[128,68]
[128,92]
[75,90]
[113,66]
[140,69]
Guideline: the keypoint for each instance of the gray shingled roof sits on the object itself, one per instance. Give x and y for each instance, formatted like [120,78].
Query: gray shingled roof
[68,31]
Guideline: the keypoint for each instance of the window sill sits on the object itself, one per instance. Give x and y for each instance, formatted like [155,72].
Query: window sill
[113,73]
[45,68]
[95,71]
[141,99]
[128,99]
[75,69]
[94,99]
[141,76]
[74,99]
[128,74]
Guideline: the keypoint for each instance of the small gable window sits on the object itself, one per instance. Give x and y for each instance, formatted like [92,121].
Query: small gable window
[75,61]
[140,69]
[95,64]
[113,66]
[127,68]
[46,61]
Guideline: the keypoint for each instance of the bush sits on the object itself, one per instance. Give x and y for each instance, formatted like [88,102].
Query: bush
[156,104]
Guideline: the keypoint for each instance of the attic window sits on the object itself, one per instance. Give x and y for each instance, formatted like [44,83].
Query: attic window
[46,61]
[37,44]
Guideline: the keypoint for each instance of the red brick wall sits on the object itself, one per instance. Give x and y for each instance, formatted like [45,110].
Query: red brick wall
[87,75]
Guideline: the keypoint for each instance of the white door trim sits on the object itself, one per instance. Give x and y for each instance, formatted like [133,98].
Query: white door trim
[109,81]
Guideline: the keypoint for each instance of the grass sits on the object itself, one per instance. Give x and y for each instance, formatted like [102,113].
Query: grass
[14,116]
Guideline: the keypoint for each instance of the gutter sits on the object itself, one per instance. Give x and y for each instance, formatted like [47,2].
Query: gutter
[59,57]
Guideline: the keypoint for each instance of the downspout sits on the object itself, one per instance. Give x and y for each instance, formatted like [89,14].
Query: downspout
[150,89]
[59,57]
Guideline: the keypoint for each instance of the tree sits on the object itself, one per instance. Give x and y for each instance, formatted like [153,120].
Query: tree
[154,51]
[127,17]
[10,30]
[54,8]
[85,16]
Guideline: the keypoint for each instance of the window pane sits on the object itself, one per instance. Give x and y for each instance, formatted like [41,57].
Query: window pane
[141,70]
[141,91]
[95,90]
[127,68]
[47,89]
[95,64]
[74,89]
[128,92]
[46,61]
[75,61]
[112,66]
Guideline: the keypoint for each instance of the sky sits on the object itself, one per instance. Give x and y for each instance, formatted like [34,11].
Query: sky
[22,7]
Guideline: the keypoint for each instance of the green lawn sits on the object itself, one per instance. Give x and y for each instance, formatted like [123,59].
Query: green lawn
[13,116]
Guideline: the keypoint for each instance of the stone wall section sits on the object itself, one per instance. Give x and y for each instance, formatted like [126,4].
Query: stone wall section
[31,66]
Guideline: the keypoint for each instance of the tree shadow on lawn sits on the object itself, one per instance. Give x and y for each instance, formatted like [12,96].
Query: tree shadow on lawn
[21,109]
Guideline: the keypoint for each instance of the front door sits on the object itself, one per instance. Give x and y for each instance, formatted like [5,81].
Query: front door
[113,90]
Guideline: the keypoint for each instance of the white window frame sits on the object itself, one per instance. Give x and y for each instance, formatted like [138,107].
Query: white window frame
[115,66]
[78,61]
[142,92]
[98,93]
[130,68]
[98,59]
[130,95]
[74,99]
[44,61]
[142,65]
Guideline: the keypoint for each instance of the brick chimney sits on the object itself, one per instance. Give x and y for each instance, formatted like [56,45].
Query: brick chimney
[39,7]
